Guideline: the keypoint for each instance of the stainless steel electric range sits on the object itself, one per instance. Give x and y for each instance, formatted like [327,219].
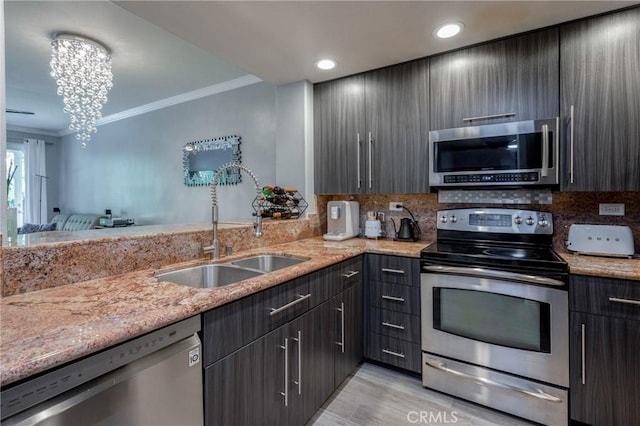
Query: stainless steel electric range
[495,317]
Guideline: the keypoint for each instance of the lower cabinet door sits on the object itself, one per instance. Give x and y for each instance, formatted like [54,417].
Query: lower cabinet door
[317,359]
[605,370]
[349,334]
[233,388]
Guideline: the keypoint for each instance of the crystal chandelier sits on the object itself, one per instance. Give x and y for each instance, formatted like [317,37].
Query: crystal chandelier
[82,70]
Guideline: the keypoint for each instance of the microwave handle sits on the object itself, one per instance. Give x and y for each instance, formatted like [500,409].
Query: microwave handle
[545,151]
[489,117]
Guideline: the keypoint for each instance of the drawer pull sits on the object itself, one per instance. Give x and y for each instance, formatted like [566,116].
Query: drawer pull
[625,301]
[388,324]
[393,271]
[350,274]
[395,299]
[290,304]
[388,352]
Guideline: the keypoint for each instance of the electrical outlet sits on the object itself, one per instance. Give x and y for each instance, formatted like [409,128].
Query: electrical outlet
[393,206]
[611,209]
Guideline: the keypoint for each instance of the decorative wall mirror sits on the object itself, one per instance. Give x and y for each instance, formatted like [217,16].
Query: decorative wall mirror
[201,160]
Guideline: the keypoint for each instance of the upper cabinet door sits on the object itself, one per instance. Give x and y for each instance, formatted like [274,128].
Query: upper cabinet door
[339,135]
[600,92]
[397,128]
[517,75]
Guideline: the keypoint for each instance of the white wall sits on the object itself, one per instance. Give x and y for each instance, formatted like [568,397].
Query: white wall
[292,139]
[134,166]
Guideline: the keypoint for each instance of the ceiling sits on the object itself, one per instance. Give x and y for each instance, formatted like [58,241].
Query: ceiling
[163,49]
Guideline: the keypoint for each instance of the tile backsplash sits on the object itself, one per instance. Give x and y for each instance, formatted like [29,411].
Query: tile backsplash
[567,208]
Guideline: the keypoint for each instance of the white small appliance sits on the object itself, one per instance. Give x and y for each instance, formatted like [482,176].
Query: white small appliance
[372,227]
[343,218]
[601,240]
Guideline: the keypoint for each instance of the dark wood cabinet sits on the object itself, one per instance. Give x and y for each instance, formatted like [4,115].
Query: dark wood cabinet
[516,75]
[397,128]
[338,109]
[604,348]
[370,131]
[282,374]
[600,82]
[392,315]
[348,332]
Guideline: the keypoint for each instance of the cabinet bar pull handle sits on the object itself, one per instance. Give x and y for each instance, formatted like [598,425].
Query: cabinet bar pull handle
[583,353]
[388,352]
[395,299]
[299,381]
[341,310]
[625,301]
[388,324]
[290,304]
[571,111]
[490,117]
[393,271]
[286,372]
[358,141]
[350,274]
[370,161]
[536,393]
[545,151]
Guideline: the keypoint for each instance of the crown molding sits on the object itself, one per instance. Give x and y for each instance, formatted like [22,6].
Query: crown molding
[31,130]
[175,100]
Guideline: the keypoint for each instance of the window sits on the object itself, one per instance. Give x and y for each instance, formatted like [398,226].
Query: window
[16,190]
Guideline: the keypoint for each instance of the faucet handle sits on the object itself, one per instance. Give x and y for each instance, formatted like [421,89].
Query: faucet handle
[257,227]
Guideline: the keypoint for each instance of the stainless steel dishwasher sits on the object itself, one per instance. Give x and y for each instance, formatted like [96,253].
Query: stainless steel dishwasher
[153,380]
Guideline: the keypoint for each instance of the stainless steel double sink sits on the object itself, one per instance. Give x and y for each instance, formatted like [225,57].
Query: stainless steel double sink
[218,275]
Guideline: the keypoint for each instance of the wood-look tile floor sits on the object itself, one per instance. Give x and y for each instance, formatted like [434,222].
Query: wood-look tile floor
[374,395]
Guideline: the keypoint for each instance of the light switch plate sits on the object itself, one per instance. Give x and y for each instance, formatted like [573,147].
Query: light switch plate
[611,209]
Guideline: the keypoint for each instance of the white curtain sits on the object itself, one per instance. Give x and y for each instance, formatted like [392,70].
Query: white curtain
[36,182]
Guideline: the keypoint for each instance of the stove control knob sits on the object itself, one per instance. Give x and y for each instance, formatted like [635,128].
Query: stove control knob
[543,221]
[453,219]
[517,220]
[530,221]
[443,219]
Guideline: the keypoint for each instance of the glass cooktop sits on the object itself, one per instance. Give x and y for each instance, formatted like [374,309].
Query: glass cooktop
[516,256]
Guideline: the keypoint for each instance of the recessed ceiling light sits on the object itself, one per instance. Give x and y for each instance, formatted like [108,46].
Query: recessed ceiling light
[448,30]
[325,64]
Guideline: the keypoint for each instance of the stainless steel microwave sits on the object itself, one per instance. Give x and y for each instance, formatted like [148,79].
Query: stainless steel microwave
[506,154]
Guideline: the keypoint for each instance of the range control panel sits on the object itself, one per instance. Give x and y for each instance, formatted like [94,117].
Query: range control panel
[496,220]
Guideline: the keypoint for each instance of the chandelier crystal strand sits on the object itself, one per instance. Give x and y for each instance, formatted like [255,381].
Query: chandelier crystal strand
[82,70]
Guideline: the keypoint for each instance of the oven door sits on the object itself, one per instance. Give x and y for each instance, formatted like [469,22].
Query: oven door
[517,153]
[499,323]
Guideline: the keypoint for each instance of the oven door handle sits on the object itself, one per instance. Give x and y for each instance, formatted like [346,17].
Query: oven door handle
[491,273]
[536,393]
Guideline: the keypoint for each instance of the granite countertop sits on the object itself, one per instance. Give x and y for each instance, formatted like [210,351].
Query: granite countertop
[609,267]
[44,329]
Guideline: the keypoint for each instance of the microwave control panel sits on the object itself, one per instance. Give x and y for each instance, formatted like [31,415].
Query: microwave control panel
[493,178]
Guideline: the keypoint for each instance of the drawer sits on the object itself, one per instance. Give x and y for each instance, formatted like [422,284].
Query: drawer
[394,297]
[394,324]
[605,296]
[229,327]
[394,352]
[394,269]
